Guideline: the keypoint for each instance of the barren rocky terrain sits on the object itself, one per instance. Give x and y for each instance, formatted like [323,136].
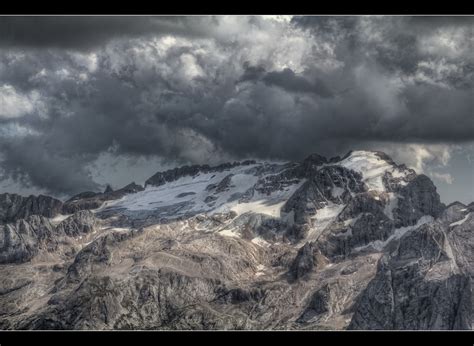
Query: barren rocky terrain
[357,242]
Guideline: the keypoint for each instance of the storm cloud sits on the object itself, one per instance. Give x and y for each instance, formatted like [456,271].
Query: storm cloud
[89,32]
[178,90]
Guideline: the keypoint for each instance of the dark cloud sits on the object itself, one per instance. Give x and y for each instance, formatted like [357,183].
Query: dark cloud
[393,42]
[31,162]
[247,87]
[87,32]
[252,73]
[288,80]
[291,82]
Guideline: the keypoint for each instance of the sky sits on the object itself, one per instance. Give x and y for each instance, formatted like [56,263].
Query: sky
[92,100]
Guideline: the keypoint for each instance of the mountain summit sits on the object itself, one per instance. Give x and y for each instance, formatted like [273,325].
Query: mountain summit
[357,242]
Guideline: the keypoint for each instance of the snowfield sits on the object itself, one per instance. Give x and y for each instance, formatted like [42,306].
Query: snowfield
[197,194]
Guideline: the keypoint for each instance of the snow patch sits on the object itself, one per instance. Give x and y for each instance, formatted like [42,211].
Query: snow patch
[392,204]
[323,218]
[379,245]
[460,222]
[259,207]
[260,241]
[229,233]
[59,218]
[351,222]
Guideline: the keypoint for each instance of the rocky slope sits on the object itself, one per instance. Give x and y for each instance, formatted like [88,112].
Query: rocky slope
[357,242]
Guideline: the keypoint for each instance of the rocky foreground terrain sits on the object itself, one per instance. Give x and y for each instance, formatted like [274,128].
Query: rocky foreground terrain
[357,242]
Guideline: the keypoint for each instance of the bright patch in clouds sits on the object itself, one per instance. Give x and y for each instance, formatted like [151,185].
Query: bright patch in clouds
[423,158]
[14,104]
[279,18]
[446,177]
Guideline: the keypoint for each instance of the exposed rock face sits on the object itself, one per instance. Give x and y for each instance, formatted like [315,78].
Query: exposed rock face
[303,263]
[333,184]
[81,222]
[93,200]
[417,198]
[161,178]
[14,207]
[355,242]
[21,241]
[418,286]
[98,253]
[307,259]
[325,301]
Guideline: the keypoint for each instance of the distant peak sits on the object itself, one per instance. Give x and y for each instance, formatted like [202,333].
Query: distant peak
[456,203]
[315,158]
[161,178]
[369,154]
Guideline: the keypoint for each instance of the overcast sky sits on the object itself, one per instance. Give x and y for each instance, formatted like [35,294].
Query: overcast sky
[86,101]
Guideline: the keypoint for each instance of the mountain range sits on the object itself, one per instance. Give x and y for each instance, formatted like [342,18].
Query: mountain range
[354,242]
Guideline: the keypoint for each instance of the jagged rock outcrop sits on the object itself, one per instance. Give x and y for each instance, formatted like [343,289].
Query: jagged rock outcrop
[161,178]
[361,222]
[20,241]
[93,200]
[418,286]
[328,184]
[327,300]
[307,259]
[14,207]
[98,252]
[417,198]
[81,222]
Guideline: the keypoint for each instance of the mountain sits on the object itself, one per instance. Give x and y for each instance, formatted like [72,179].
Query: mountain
[357,242]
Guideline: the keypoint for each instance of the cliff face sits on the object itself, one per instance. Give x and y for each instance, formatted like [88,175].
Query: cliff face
[357,243]
[14,207]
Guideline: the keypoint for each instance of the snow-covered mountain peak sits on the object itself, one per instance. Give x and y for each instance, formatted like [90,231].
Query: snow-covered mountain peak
[373,166]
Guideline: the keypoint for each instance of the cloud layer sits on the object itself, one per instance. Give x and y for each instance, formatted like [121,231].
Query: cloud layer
[208,89]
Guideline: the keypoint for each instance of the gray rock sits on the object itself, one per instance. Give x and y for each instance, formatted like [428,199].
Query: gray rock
[14,207]
[419,197]
[315,193]
[81,222]
[307,259]
[224,183]
[21,241]
[303,262]
[324,302]
[161,178]
[418,286]
[93,200]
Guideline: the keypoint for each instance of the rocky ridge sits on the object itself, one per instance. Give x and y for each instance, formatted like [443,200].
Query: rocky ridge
[356,242]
